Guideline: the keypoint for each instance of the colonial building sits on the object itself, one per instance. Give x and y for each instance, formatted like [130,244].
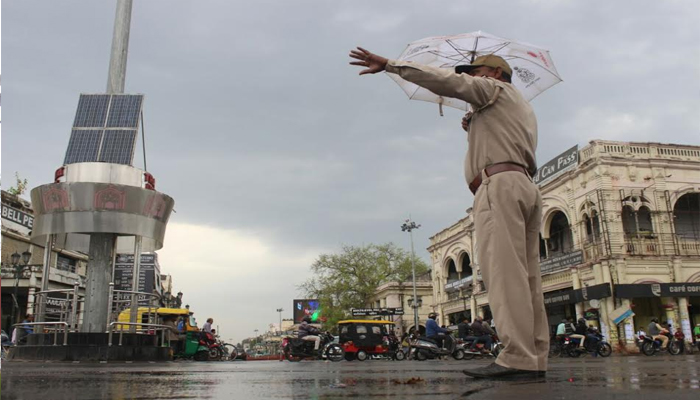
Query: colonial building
[620,234]
[22,280]
[400,295]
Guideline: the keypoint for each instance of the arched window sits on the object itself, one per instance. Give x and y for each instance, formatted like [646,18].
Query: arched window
[686,216]
[646,227]
[560,238]
[466,265]
[592,227]
[543,248]
[628,221]
[452,274]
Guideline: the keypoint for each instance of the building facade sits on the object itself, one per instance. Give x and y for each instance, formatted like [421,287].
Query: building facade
[21,282]
[620,233]
[400,295]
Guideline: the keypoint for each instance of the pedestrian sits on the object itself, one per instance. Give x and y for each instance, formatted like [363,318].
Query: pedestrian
[696,332]
[507,205]
[25,330]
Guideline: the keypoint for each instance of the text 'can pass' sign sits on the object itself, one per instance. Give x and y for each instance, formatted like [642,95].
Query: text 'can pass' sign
[563,162]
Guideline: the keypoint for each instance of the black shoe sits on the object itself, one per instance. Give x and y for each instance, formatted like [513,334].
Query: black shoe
[495,371]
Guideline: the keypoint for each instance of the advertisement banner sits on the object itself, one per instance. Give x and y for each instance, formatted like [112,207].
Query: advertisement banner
[303,307]
[657,290]
[124,272]
[564,261]
[17,220]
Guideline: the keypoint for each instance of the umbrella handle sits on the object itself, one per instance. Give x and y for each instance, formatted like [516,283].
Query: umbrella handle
[440,106]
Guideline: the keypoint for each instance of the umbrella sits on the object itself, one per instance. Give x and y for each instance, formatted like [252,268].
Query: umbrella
[533,68]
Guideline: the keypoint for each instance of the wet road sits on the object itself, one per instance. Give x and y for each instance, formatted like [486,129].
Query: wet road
[631,377]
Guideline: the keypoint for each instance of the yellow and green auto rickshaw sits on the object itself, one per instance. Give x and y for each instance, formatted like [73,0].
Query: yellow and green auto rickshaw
[189,345]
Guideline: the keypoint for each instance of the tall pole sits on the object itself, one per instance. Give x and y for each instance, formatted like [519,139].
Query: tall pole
[120,47]
[410,226]
[279,310]
[135,285]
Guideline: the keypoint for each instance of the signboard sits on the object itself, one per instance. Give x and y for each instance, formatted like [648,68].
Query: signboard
[558,165]
[561,262]
[303,307]
[124,270]
[458,284]
[658,290]
[620,314]
[586,293]
[364,312]
[17,220]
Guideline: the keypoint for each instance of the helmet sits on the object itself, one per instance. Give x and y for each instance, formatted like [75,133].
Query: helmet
[307,319]
[432,315]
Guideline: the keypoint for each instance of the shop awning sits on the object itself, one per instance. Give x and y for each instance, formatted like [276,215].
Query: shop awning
[657,290]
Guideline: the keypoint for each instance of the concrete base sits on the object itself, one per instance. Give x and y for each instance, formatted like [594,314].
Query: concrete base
[90,347]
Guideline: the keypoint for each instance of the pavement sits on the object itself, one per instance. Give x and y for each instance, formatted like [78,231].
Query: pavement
[616,377]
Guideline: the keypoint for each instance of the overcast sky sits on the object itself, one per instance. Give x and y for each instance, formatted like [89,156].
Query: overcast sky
[275,150]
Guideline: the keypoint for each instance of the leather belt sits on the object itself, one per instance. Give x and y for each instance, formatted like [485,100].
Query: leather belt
[493,170]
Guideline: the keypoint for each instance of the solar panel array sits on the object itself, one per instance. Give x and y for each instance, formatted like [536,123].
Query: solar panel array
[105,129]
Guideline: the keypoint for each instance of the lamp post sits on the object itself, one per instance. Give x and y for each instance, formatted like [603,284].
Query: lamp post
[18,269]
[410,226]
[279,310]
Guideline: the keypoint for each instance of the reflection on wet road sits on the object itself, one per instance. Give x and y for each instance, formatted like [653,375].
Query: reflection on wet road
[632,377]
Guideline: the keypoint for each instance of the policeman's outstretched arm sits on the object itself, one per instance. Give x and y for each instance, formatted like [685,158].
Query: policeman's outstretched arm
[374,63]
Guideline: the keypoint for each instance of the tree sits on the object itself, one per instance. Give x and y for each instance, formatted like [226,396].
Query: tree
[349,279]
[21,186]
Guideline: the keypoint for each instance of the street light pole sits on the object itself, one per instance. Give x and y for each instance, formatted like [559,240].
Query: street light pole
[279,310]
[15,257]
[410,226]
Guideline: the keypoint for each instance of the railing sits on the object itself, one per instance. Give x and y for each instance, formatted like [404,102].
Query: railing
[21,325]
[689,247]
[643,246]
[146,328]
[72,297]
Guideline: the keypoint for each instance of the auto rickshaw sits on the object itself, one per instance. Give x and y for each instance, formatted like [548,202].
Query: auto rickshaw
[362,339]
[189,346]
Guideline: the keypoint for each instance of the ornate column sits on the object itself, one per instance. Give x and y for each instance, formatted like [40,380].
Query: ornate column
[576,281]
[682,315]
[621,269]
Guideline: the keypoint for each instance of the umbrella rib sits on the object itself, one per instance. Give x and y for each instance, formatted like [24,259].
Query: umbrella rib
[464,57]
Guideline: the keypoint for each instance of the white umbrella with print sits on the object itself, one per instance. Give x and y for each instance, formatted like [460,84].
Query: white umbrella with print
[533,68]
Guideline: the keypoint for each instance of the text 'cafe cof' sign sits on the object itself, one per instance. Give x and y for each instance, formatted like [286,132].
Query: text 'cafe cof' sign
[563,162]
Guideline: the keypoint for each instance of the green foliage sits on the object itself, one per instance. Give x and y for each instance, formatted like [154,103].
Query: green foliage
[349,279]
[21,186]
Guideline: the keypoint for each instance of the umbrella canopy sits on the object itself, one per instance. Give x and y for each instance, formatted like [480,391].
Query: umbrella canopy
[533,68]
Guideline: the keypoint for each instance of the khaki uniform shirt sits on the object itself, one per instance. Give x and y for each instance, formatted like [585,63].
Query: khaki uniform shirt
[503,127]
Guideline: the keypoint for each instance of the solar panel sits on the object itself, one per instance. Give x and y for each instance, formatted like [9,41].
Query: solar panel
[118,146]
[92,111]
[105,128]
[124,111]
[83,146]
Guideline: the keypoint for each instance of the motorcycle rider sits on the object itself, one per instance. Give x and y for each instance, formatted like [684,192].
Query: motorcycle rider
[483,333]
[464,329]
[580,332]
[433,331]
[657,332]
[309,333]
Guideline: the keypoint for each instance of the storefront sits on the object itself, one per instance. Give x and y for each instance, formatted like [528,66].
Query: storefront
[661,300]
[561,304]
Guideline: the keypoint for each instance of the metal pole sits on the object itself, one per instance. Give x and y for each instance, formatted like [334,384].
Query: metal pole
[135,283]
[120,47]
[415,294]
[76,287]
[98,278]
[110,305]
[45,279]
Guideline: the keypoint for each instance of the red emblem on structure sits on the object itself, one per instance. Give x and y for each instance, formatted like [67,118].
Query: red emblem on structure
[110,198]
[155,206]
[531,54]
[55,199]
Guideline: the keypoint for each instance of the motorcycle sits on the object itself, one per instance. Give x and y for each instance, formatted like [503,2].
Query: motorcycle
[295,349]
[213,348]
[651,346]
[493,351]
[423,348]
[686,347]
[572,349]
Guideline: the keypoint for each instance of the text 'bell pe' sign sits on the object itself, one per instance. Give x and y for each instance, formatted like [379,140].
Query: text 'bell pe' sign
[555,167]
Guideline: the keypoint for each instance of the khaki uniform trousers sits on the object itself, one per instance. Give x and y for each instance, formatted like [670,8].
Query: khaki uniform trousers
[507,216]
